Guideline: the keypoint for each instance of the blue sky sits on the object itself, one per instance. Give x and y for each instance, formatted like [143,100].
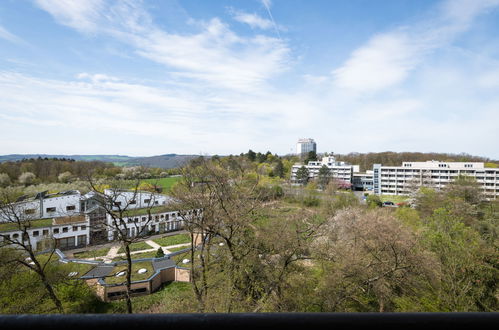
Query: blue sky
[218,77]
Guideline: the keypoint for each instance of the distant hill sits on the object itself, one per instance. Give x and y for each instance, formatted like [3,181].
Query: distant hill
[162,161]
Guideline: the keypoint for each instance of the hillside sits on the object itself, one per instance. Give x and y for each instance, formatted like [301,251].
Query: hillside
[161,161]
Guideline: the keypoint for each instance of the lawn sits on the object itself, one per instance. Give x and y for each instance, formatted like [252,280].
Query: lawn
[170,298]
[178,248]
[91,253]
[112,279]
[142,255]
[165,183]
[394,198]
[137,247]
[173,240]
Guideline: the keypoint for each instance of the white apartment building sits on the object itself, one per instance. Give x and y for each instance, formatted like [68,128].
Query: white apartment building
[77,221]
[401,180]
[339,170]
[43,205]
[304,146]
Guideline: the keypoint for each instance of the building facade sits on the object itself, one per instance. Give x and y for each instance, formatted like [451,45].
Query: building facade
[363,181]
[402,180]
[304,146]
[339,170]
[150,214]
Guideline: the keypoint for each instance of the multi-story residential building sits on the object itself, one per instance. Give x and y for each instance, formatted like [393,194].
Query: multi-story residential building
[304,146]
[402,180]
[44,205]
[340,170]
[91,224]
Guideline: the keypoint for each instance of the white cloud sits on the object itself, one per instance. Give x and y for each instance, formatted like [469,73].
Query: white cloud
[253,20]
[388,58]
[80,15]
[215,54]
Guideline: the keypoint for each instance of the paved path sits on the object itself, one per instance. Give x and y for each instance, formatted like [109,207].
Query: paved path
[113,252]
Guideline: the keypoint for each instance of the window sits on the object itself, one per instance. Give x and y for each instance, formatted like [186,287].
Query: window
[133,201]
[36,233]
[117,203]
[65,229]
[50,209]
[15,236]
[45,232]
[56,230]
[29,211]
[75,228]
[83,227]
[147,201]
[144,218]
[70,208]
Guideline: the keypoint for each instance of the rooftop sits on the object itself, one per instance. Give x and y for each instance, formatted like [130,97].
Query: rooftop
[38,223]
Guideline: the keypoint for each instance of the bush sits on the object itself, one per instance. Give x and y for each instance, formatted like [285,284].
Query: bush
[311,201]
[374,201]
[27,178]
[4,180]
[160,253]
[65,177]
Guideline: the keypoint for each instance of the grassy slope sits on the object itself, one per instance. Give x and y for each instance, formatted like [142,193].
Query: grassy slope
[165,183]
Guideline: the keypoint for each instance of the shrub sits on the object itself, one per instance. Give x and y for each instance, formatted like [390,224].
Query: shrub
[4,180]
[311,201]
[160,253]
[27,178]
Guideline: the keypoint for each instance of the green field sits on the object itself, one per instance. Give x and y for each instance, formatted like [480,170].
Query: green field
[165,183]
[394,198]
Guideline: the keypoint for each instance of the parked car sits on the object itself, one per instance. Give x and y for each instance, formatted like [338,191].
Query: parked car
[389,203]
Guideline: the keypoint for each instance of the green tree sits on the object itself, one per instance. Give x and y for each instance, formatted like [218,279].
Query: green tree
[251,155]
[311,156]
[324,176]
[279,169]
[302,175]
[463,258]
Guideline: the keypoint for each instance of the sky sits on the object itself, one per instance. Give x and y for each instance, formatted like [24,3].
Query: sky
[144,78]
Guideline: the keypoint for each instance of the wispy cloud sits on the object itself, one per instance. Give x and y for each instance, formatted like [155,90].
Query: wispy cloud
[388,58]
[83,16]
[5,34]
[253,20]
[215,54]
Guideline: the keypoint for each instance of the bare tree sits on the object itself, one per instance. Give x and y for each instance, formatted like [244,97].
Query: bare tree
[119,200]
[371,259]
[22,220]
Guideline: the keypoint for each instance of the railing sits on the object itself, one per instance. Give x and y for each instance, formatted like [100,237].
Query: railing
[254,321]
